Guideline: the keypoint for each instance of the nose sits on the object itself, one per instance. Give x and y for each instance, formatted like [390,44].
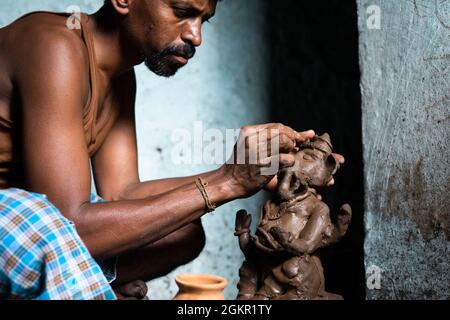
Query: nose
[193,32]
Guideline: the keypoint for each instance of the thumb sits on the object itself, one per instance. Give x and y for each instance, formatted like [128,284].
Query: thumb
[286,160]
[272,185]
[305,135]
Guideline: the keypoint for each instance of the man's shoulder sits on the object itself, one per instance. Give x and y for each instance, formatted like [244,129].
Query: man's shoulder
[42,38]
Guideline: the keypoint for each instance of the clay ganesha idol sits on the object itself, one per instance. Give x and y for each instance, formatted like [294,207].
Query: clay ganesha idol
[281,259]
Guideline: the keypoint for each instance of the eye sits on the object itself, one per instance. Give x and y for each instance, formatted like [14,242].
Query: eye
[308,157]
[186,13]
[181,13]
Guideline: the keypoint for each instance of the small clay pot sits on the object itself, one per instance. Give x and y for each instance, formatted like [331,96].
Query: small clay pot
[200,287]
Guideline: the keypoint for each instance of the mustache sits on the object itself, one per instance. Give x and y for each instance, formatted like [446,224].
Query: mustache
[186,50]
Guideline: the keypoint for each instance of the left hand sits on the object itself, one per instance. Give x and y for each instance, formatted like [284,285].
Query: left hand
[135,290]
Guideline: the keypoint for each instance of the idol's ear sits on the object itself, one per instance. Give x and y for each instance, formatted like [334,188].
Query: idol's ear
[332,164]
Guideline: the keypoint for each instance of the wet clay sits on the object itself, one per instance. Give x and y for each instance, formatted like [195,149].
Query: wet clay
[282,257]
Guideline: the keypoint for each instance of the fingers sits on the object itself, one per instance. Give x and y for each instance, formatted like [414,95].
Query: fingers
[136,289]
[288,137]
[280,161]
[295,136]
[267,142]
[272,185]
[286,160]
[305,135]
[286,143]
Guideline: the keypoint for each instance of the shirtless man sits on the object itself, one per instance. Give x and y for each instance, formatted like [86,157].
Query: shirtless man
[67,100]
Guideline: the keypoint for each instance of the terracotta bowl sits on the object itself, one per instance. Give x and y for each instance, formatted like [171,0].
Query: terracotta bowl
[200,287]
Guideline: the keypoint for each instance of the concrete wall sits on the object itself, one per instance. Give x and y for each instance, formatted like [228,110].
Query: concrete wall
[406,106]
[225,86]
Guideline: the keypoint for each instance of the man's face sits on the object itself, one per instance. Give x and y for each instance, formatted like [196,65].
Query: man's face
[168,31]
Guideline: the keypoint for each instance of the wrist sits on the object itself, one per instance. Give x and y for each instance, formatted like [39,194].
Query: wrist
[228,185]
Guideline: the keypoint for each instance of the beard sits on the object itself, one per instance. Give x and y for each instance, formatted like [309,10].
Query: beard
[162,64]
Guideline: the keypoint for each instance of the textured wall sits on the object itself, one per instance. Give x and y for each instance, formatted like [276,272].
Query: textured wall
[406,108]
[224,87]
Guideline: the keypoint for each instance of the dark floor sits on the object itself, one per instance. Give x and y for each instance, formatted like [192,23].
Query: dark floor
[315,81]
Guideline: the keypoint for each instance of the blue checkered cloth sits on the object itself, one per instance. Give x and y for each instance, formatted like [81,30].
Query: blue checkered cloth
[41,255]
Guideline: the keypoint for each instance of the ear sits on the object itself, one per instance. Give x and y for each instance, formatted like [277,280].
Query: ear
[332,164]
[121,6]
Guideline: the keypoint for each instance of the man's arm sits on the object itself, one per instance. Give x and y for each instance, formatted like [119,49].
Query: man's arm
[56,161]
[53,92]
[115,164]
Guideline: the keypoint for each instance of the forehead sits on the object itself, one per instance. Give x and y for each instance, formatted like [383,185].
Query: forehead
[200,5]
[319,155]
[309,150]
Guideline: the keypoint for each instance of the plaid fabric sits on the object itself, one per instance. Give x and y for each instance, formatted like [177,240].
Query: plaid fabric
[41,255]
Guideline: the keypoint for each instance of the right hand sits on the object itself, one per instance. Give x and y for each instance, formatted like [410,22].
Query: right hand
[252,155]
